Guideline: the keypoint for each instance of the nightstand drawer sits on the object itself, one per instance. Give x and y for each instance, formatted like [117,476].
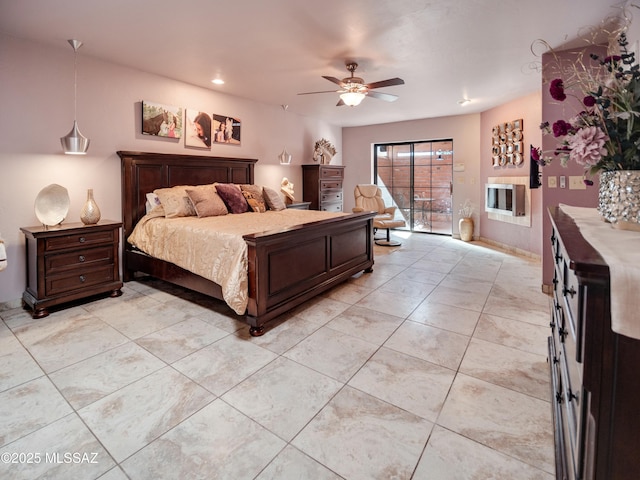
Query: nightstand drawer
[55,285]
[68,261]
[78,240]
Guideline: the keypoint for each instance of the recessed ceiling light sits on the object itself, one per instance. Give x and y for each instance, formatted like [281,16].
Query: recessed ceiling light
[218,81]
[464,101]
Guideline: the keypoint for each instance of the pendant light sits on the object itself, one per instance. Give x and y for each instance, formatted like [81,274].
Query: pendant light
[285,157]
[74,143]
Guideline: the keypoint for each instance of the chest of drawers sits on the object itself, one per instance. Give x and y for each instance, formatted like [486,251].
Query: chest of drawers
[70,262]
[322,187]
[594,371]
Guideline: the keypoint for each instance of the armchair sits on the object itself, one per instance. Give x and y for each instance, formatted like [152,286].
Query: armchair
[369,198]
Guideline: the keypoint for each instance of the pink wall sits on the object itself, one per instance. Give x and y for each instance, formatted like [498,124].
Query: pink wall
[521,237]
[37,109]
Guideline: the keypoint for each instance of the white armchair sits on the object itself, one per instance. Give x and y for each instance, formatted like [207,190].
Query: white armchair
[369,199]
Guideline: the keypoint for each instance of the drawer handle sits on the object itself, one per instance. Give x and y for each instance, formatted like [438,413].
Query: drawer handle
[81,258]
[83,279]
[563,333]
[82,240]
[558,257]
[571,291]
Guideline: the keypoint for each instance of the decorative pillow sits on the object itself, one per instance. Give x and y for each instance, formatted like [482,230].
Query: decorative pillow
[175,201]
[253,194]
[152,202]
[273,199]
[232,196]
[206,201]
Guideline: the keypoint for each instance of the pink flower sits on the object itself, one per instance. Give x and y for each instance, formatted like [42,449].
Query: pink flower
[587,146]
[556,89]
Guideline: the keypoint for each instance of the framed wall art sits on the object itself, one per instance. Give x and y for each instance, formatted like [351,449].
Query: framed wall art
[161,120]
[506,144]
[198,129]
[226,129]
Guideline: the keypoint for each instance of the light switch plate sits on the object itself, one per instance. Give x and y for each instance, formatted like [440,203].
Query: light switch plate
[552,181]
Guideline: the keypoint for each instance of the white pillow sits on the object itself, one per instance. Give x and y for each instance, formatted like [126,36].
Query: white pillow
[152,202]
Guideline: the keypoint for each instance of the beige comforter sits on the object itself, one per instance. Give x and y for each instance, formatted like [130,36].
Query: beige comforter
[213,247]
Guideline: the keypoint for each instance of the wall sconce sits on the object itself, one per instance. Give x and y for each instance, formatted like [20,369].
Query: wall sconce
[352,99]
[74,143]
[285,157]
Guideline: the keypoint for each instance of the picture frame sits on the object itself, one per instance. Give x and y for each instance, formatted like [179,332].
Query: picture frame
[226,129]
[198,129]
[161,120]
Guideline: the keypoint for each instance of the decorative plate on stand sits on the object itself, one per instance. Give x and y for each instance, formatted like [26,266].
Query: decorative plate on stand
[52,205]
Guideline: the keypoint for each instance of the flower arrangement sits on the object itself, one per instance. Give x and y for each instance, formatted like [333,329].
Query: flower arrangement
[605,136]
[466,209]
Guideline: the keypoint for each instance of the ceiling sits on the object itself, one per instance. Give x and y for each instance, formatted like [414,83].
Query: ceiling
[271,50]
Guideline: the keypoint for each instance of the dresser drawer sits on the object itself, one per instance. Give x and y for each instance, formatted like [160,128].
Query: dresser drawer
[79,239]
[67,261]
[331,207]
[331,185]
[329,172]
[78,280]
[331,197]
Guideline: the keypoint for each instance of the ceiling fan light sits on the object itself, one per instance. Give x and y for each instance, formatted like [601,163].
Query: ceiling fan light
[352,99]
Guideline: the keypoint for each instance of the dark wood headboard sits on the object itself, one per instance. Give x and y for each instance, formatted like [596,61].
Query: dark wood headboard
[143,172]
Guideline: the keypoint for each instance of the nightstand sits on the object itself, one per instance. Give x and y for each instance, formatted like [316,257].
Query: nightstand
[69,262]
[299,205]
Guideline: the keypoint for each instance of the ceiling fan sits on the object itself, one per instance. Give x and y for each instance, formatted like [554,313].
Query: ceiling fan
[353,89]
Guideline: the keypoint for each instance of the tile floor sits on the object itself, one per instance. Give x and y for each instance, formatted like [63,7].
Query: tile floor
[431,367]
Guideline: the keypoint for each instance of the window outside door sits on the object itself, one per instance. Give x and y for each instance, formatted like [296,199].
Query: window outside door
[416,177]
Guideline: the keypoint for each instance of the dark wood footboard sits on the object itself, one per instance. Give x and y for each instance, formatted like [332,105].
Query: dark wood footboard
[287,268]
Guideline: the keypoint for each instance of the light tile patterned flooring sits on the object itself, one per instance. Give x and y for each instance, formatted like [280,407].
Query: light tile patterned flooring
[431,367]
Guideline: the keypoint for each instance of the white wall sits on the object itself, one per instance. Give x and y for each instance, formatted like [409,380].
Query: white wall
[463,129]
[36,109]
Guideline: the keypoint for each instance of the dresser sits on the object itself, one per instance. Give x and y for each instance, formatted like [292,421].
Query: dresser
[322,186]
[595,372]
[70,262]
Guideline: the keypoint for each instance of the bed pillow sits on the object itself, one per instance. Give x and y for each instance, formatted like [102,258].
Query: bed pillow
[175,201]
[232,197]
[273,199]
[152,202]
[253,195]
[206,201]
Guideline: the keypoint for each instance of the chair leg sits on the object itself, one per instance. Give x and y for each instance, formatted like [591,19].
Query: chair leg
[388,242]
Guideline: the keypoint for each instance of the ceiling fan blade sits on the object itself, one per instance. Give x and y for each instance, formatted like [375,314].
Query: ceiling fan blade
[323,91]
[334,80]
[387,97]
[386,83]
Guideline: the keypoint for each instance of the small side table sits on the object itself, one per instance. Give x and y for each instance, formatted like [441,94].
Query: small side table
[69,262]
[299,205]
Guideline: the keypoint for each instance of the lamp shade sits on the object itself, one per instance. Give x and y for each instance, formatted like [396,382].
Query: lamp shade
[74,143]
[285,157]
[352,98]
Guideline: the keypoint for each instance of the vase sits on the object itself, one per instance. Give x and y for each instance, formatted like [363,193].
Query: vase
[90,213]
[619,198]
[465,226]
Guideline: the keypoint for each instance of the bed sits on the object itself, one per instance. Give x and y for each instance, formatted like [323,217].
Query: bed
[285,267]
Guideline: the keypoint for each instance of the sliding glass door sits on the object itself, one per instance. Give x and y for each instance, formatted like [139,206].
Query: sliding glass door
[416,177]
